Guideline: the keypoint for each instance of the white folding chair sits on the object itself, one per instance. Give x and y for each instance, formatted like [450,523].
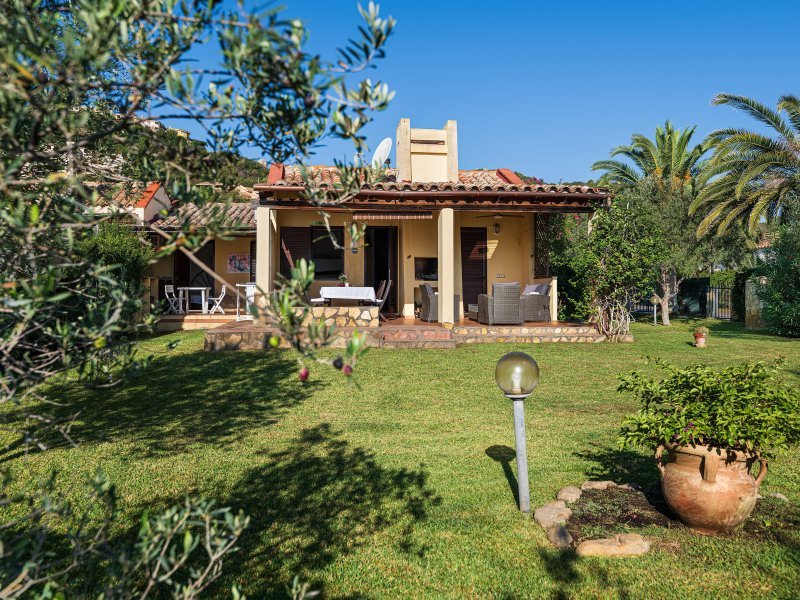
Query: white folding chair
[214,303]
[175,302]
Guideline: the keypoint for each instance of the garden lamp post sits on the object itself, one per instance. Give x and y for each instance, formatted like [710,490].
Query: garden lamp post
[517,374]
[654,302]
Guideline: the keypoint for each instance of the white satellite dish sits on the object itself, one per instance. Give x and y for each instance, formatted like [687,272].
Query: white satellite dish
[381,153]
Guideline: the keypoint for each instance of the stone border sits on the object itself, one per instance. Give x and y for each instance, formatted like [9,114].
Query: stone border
[553,517]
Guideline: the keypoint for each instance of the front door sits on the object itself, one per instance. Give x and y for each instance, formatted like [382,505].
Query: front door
[380,262]
[473,264]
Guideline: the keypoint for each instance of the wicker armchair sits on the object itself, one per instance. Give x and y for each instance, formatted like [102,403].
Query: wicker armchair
[504,306]
[430,304]
[536,307]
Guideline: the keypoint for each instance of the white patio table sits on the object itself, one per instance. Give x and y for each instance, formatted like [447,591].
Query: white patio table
[204,291]
[362,294]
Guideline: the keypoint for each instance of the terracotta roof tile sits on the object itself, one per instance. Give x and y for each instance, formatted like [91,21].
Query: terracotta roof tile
[238,215]
[473,180]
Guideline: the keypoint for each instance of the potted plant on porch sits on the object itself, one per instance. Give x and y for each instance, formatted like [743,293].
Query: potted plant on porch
[700,334]
[714,425]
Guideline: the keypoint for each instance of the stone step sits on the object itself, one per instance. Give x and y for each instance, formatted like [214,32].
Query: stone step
[587,338]
[418,343]
[524,330]
[407,334]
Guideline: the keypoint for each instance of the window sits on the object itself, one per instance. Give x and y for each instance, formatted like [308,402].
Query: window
[327,258]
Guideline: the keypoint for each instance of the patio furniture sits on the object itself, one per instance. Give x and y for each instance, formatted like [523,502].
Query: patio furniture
[379,302]
[175,306]
[361,294]
[214,304]
[430,304]
[472,311]
[503,307]
[381,288]
[249,299]
[536,302]
[191,292]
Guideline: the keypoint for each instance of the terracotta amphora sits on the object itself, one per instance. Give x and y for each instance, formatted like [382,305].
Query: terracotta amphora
[709,489]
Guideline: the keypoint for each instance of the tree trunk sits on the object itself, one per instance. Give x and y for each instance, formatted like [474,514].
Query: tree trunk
[665,308]
[666,294]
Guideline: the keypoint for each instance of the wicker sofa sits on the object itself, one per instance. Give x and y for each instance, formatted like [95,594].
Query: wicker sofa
[503,307]
[430,304]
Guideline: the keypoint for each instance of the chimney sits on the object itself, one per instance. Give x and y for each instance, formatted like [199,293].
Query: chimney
[427,155]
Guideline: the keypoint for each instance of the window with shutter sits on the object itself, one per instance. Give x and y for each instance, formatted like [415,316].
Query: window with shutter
[295,244]
[328,259]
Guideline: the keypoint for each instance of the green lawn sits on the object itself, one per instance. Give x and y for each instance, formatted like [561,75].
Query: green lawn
[385,488]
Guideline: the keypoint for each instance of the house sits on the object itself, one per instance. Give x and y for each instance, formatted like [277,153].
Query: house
[427,222]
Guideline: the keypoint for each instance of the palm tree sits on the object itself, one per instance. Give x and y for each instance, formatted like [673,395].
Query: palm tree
[671,166]
[667,159]
[752,177]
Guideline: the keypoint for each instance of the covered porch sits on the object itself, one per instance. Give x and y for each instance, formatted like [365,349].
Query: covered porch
[446,250]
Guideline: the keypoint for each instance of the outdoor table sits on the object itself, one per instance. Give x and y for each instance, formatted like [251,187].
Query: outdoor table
[361,294]
[204,291]
[249,291]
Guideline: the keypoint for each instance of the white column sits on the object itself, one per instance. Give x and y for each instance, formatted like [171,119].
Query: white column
[447,271]
[264,267]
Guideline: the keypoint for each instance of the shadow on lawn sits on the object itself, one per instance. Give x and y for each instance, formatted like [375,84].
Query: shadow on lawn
[620,466]
[183,399]
[504,455]
[560,567]
[317,500]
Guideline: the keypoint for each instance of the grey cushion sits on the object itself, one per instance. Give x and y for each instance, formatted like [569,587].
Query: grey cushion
[542,289]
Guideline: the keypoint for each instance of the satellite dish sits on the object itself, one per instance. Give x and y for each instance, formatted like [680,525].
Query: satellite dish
[381,153]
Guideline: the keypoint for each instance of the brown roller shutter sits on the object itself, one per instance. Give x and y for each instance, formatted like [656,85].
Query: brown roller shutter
[295,244]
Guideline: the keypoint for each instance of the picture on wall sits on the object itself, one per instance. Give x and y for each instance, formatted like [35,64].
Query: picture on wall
[239,262]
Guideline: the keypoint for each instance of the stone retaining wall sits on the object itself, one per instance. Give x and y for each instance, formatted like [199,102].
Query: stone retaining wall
[347,316]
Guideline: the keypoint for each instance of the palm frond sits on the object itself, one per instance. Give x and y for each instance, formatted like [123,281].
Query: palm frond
[760,112]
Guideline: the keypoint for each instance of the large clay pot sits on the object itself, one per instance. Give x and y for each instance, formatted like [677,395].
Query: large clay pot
[700,340]
[709,489]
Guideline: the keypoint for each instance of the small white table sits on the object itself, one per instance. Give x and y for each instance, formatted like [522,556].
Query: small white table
[361,294]
[204,292]
[249,291]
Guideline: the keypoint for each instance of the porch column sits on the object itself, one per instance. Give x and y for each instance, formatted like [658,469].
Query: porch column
[264,241]
[447,270]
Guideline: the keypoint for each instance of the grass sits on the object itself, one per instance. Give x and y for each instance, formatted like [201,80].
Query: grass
[401,486]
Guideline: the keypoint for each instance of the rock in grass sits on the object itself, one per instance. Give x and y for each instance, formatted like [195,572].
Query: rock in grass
[624,544]
[597,485]
[559,536]
[632,487]
[569,493]
[552,513]
[778,495]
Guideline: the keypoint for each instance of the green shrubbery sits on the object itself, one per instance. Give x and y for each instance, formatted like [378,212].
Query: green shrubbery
[121,249]
[741,408]
[781,294]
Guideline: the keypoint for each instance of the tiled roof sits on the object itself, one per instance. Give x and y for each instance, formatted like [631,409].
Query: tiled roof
[237,215]
[123,195]
[473,180]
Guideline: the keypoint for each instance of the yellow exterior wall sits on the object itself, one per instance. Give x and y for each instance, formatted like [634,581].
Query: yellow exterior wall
[222,248]
[509,252]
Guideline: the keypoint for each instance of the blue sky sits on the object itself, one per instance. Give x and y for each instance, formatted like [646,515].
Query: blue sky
[547,88]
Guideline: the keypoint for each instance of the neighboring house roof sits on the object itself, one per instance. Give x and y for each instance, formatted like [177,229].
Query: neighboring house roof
[236,216]
[766,241]
[475,180]
[124,195]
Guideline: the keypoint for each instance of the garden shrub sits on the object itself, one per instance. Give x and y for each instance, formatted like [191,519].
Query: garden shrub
[781,294]
[742,407]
